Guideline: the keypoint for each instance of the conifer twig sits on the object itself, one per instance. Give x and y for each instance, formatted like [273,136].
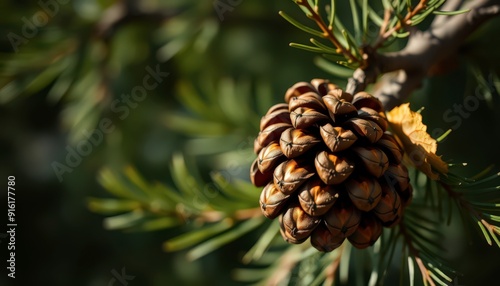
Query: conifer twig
[423,51]
[385,34]
[327,30]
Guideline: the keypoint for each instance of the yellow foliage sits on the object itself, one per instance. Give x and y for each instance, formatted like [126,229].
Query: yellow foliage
[420,148]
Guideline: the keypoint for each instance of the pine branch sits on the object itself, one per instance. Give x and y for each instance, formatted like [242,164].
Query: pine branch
[423,51]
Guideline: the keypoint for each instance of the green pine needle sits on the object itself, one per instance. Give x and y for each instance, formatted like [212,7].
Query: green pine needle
[301,26]
[191,238]
[451,13]
[331,14]
[260,247]
[355,20]
[123,221]
[442,137]
[335,62]
[223,239]
[111,206]
[485,233]
[306,48]
[326,49]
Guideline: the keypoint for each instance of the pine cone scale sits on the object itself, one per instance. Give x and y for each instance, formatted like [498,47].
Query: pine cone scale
[336,138]
[295,142]
[289,175]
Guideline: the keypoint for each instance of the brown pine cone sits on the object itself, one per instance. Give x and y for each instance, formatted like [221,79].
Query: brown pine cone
[329,167]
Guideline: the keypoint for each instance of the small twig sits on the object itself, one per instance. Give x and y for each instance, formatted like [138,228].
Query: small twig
[424,271]
[401,24]
[328,31]
[383,27]
[489,226]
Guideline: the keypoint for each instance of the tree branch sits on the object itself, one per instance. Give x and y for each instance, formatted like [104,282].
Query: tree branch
[424,49]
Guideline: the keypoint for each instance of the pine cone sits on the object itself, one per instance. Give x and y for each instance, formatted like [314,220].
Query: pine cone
[329,167]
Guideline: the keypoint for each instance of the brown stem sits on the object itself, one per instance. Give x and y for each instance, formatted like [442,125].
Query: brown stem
[383,27]
[424,271]
[361,78]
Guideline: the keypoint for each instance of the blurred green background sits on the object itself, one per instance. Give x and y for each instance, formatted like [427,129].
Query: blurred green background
[65,64]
